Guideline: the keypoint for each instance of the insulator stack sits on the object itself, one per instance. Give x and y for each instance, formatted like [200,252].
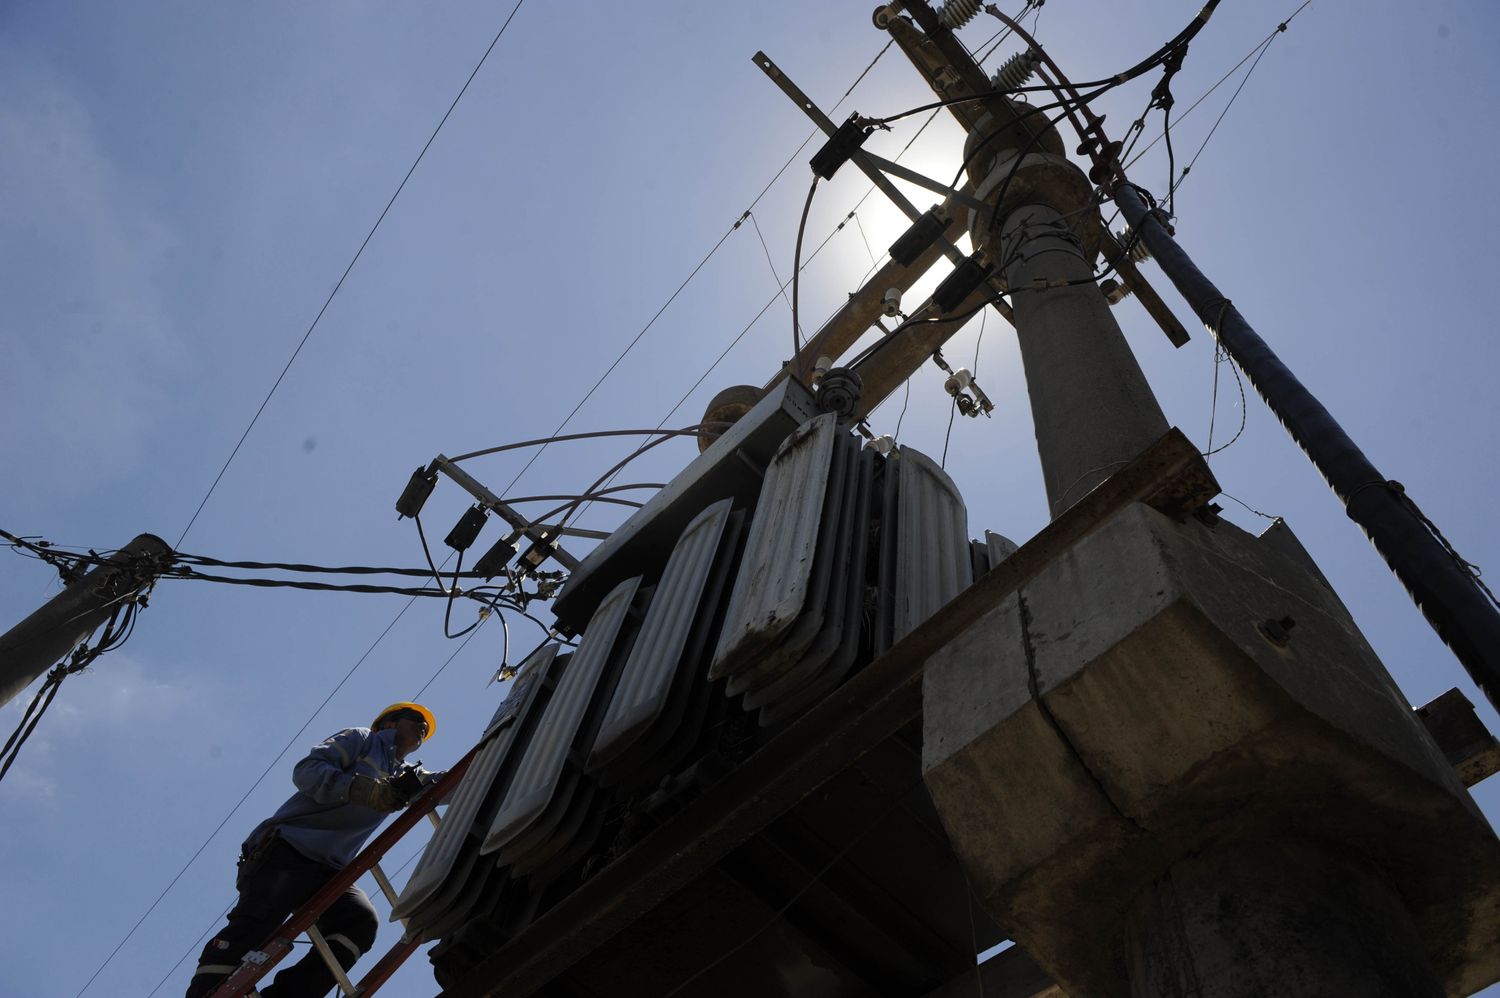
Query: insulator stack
[1135,248]
[1015,71]
[957,13]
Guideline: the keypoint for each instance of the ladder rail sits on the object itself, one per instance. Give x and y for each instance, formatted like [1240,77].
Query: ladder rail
[259,962]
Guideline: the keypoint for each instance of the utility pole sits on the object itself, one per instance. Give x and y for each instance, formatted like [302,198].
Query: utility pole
[1169,763]
[63,623]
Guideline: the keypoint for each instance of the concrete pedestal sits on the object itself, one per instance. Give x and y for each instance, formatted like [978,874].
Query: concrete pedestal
[1291,919]
[1145,719]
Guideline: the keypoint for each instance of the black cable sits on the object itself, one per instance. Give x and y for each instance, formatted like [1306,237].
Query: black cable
[29,719]
[1189,168]
[905,400]
[329,300]
[797,265]
[952,411]
[1259,47]
[189,575]
[695,430]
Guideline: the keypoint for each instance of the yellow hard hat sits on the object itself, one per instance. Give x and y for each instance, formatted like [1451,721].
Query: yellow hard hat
[408,705]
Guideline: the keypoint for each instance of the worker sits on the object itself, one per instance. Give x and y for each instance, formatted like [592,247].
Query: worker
[345,788]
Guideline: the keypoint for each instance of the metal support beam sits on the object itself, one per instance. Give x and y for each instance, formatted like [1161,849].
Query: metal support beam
[1446,593]
[872,167]
[536,531]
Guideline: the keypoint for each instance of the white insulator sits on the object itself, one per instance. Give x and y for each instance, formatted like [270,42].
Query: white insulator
[1138,251]
[1015,71]
[956,13]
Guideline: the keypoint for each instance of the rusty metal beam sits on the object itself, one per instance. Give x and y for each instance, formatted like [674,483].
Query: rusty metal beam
[831,736]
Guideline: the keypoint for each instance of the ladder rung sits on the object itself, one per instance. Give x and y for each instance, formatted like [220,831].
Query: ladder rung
[345,985]
[386,887]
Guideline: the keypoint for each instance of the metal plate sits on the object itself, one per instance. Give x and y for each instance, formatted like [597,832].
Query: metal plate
[642,692]
[774,660]
[467,800]
[932,542]
[774,575]
[834,612]
[817,682]
[887,485]
[999,547]
[537,778]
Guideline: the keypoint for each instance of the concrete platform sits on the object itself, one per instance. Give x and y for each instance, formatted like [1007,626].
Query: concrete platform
[1169,690]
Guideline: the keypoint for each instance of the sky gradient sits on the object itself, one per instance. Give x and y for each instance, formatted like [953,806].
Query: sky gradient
[183,184]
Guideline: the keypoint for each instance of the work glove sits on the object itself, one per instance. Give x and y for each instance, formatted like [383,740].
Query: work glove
[377,794]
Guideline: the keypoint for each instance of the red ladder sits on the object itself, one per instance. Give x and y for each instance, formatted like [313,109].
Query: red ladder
[259,962]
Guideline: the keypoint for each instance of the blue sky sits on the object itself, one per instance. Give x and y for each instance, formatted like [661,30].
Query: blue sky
[183,184]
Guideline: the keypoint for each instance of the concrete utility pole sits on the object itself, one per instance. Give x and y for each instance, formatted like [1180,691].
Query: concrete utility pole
[43,639]
[1170,763]
[1090,403]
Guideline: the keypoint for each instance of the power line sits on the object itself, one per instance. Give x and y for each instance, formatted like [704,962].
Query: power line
[694,272]
[357,253]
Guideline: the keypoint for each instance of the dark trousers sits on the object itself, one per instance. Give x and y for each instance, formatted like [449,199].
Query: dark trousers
[273,883]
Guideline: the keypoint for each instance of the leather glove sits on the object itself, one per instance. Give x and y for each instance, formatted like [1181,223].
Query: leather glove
[377,794]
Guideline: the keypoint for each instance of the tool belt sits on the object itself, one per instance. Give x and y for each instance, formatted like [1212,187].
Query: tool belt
[253,854]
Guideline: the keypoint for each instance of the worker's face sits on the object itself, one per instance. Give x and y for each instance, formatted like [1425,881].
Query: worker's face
[410,732]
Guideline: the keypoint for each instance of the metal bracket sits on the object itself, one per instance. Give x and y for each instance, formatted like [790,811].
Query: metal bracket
[860,158]
[536,531]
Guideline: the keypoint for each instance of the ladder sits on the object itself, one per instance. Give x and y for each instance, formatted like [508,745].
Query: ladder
[259,962]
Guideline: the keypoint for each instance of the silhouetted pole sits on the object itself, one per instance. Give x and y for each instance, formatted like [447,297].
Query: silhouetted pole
[43,639]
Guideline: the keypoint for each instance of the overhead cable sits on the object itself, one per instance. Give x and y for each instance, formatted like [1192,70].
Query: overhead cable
[347,270]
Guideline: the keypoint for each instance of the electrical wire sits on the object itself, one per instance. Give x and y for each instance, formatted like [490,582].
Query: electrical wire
[1220,357]
[797,264]
[774,276]
[347,270]
[1258,47]
[673,297]
[413,599]
[1233,97]
[952,411]
[696,430]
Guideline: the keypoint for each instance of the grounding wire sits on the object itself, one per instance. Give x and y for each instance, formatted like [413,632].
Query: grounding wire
[357,253]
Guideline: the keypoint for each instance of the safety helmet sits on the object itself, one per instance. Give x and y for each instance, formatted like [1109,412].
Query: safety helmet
[407,705]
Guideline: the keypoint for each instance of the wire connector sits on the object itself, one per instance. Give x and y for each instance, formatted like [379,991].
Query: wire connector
[923,233]
[841,145]
[414,496]
[957,286]
[466,529]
